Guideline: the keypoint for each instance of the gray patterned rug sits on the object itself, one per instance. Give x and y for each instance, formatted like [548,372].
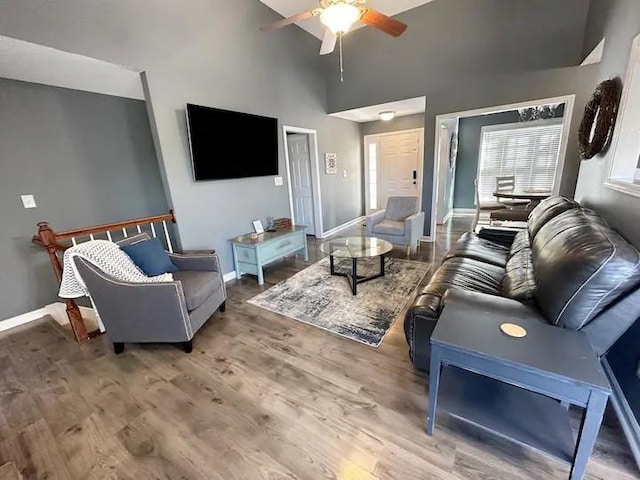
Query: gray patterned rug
[316,297]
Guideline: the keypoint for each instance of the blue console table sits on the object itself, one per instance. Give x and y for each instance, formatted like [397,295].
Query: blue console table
[251,253]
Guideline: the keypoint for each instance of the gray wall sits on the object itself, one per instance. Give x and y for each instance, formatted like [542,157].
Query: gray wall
[87,158]
[469,136]
[464,55]
[407,122]
[619,21]
[209,52]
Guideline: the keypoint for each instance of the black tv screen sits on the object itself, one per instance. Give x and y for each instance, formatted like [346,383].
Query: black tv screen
[227,144]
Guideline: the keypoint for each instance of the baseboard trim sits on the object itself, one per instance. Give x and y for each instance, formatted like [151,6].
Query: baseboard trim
[227,277]
[447,217]
[467,212]
[426,239]
[22,319]
[344,226]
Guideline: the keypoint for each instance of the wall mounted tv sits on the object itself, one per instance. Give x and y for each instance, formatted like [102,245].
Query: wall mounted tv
[227,144]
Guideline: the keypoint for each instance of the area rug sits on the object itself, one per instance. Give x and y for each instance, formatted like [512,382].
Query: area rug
[316,297]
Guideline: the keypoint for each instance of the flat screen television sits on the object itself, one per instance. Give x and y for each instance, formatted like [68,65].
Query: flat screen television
[226,144]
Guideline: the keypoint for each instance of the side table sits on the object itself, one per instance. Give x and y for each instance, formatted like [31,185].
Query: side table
[517,388]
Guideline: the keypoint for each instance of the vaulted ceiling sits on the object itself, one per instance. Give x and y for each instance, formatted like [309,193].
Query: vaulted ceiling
[286,8]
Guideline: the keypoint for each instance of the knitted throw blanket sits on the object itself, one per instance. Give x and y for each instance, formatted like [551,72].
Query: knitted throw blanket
[109,258]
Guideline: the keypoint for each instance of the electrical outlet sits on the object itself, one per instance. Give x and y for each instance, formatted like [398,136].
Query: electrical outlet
[28,201]
[344,173]
[278,181]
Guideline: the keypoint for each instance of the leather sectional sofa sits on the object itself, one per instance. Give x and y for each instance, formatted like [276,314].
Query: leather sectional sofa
[568,268]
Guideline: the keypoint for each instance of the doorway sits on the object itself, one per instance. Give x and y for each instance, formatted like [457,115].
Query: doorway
[303,178]
[441,209]
[393,166]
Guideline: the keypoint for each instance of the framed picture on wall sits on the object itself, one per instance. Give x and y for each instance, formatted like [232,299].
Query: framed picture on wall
[331,163]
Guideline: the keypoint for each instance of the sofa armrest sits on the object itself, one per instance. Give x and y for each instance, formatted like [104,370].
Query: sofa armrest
[414,228]
[374,219]
[137,312]
[208,262]
[474,303]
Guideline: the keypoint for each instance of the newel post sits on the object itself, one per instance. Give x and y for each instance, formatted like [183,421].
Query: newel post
[47,238]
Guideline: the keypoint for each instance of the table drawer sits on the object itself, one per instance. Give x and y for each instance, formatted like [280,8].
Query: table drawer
[282,246]
[246,254]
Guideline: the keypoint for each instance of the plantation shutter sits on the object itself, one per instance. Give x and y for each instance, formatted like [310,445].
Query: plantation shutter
[528,151]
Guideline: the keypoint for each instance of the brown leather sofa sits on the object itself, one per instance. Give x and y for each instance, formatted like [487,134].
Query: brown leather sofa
[568,268]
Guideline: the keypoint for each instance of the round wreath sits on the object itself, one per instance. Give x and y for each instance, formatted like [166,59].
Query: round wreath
[601,110]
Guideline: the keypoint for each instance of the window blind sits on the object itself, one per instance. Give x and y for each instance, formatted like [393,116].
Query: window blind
[528,152]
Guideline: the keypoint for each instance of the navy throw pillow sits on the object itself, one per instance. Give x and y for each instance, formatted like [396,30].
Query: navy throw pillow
[150,257]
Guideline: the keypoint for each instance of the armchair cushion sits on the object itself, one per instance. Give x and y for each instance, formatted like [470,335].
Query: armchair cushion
[389,227]
[198,286]
[150,256]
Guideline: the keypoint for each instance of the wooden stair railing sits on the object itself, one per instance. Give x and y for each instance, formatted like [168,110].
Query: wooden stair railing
[56,243]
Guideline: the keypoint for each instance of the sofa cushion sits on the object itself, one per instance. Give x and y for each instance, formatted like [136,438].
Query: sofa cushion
[472,246]
[546,210]
[581,266]
[197,286]
[399,208]
[389,227]
[519,281]
[461,273]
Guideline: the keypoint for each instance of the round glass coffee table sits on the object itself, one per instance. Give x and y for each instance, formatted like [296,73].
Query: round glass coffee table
[355,248]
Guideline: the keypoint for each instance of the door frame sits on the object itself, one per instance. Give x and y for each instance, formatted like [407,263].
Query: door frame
[568,100]
[366,163]
[315,175]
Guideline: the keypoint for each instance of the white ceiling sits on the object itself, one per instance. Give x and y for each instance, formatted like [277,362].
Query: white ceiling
[410,106]
[287,8]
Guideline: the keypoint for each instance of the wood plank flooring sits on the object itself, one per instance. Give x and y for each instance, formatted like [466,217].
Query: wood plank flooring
[261,397]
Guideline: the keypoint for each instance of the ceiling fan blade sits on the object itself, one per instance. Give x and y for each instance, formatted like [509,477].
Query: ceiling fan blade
[383,22]
[288,21]
[328,42]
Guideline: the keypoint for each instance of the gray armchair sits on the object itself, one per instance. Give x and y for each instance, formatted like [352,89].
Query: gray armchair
[170,312]
[401,223]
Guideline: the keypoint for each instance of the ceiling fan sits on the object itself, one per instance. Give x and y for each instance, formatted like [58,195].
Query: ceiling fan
[338,16]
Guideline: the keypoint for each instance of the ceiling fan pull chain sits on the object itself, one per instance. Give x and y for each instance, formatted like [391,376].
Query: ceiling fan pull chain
[341,65]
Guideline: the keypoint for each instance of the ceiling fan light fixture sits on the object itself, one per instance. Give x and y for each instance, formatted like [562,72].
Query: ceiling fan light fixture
[339,17]
[387,115]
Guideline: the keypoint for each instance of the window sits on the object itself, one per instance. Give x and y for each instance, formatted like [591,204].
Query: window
[529,151]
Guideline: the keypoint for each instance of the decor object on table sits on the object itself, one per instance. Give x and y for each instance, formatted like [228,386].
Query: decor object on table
[330,163]
[252,252]
[354,249]
[280,223]
[257,226]
[338,16]
[400,223]
[599,120]
[315,297]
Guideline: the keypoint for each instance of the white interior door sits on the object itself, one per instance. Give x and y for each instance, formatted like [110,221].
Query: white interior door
[300,173]
[399,165]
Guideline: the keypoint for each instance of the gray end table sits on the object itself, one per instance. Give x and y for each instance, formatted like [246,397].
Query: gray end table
[517,388]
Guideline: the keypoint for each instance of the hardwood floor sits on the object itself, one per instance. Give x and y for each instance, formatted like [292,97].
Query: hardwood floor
[261,397]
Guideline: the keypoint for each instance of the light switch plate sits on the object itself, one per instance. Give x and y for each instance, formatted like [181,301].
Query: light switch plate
[28,201]
[344,173]
[278,181]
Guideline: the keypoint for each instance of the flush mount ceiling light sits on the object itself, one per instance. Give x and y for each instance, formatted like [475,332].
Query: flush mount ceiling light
[387,115]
